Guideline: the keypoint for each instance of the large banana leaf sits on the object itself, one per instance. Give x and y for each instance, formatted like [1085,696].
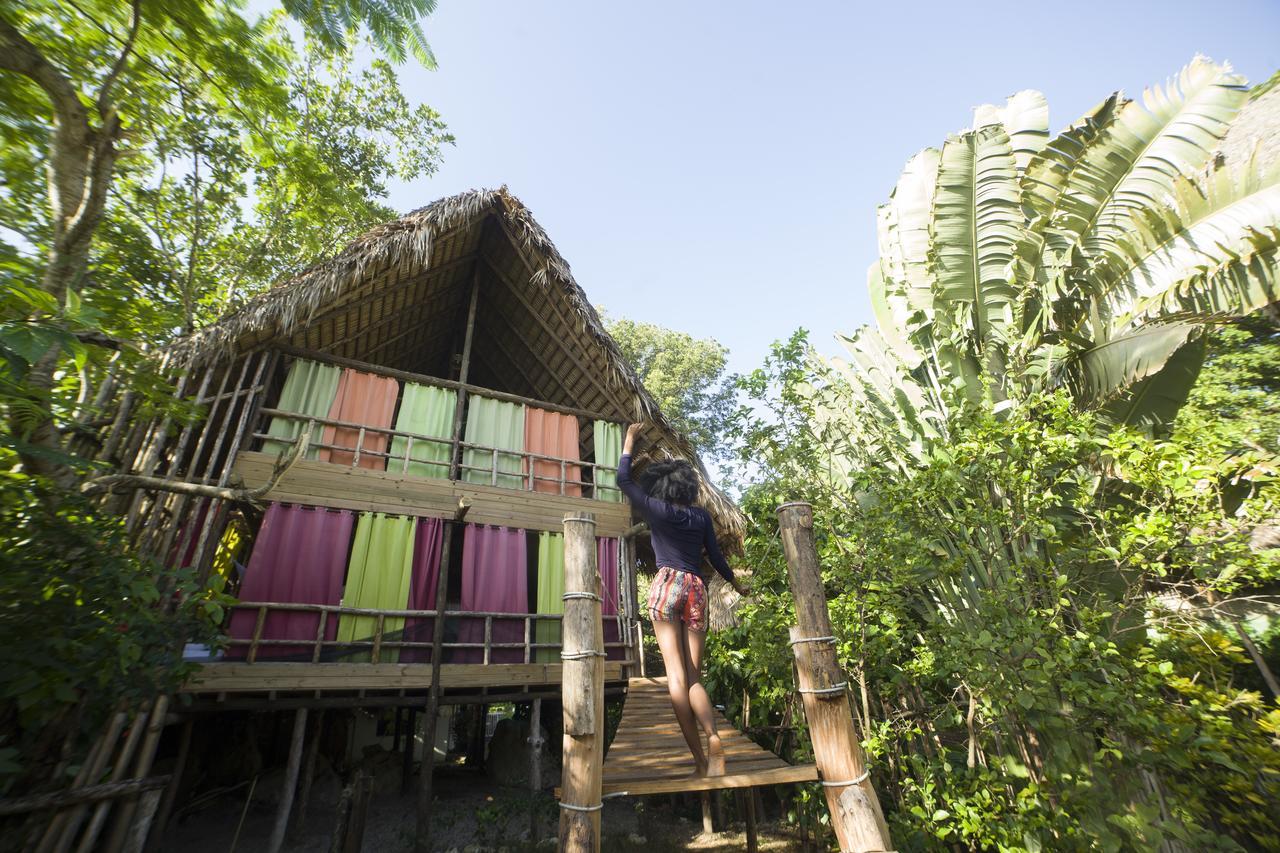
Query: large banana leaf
[976,224]
[1154,402]
[903,230]
[891,316]
[1050,169]
[1208,252]
[1134,163]
[1025,118]
[1100,373]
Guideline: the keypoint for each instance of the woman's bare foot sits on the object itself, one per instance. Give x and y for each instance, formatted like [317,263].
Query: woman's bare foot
[699,769]
[715,756]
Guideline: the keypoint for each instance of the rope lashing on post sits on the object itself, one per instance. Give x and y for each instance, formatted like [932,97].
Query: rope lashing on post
[587,595]
[866,774]
[579,518]
[590,653]
[833,690]
[811,640]
[597,807]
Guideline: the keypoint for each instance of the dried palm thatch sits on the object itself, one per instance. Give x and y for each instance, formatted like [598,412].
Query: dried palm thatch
[398,296]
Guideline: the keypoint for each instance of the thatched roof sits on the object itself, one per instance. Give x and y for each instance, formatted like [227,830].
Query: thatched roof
[1255,132]
[398,296]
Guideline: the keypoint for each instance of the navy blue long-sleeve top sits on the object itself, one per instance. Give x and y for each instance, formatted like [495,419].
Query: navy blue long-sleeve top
[679,533]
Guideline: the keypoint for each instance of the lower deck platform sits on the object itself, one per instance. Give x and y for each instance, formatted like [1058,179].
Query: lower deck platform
[649,756]
[267,675]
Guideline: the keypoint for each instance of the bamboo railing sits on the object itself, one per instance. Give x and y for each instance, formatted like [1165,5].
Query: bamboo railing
[379,640]
[498,478]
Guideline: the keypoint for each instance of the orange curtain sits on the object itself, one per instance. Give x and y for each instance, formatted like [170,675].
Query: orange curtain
[552,434]
[362,398]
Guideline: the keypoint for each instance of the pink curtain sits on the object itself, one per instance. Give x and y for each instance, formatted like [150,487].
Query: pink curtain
[362,398]
[553,434]
[607,565]
[427,542]
[495,577]
[299,556]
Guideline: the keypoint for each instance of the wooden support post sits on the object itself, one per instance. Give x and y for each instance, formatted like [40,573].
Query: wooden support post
[455,456]
[708,825]
[343,812]
[855,810]
[582,685]
[290,781]
[354,841]
[406,765]
[753,843]
[175,783]
[308,774]
[535,764]
[422,837]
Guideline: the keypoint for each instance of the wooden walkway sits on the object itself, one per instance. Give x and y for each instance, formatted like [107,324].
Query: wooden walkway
[649,756]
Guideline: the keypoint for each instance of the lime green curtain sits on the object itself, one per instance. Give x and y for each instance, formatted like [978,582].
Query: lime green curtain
[308,390]
[378,578]
[550,588]
[608,444]
[494,423]
[425,410]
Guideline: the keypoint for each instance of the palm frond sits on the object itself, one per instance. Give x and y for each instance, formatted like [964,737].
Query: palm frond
[1134,162]
[975,227]
[1025,118]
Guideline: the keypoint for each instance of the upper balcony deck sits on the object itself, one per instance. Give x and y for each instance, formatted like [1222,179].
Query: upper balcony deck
[390,468]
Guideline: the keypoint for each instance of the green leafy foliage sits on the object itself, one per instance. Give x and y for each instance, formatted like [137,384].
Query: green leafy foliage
[1004,578]
[687,378]
[86,625]
[1033,563]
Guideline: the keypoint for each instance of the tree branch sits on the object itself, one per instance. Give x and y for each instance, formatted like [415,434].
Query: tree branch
[104,94]
[22,57]
[124,482]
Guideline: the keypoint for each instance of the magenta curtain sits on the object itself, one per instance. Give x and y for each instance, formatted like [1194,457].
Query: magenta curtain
[495,577]
[427,542]
[607,565]
[299,556]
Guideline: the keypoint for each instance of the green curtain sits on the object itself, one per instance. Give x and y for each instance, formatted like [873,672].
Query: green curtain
[425,410]
[550,588]
[378,578]
[309,389]
[494,423]
[608,444]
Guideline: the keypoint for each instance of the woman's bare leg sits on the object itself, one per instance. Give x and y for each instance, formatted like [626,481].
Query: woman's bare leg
[673,655]
[694,642]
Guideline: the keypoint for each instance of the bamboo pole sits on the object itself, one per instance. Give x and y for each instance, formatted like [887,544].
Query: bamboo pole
[129,806]
[175,783]
[535,763]
[406,766]
[855,809]
[455,457]
[422,837]
[583,689]
[290,781]
[308,774]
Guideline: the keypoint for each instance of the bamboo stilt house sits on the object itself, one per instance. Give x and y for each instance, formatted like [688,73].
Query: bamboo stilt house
[447,359]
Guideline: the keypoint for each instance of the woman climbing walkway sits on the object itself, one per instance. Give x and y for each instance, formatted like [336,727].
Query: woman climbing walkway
[679,530]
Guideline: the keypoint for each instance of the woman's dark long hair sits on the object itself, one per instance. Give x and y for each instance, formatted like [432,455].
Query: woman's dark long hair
[671,480]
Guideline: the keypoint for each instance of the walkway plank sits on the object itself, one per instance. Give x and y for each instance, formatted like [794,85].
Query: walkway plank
[649,756]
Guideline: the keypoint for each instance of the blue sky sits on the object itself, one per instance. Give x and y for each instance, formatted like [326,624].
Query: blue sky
[715,167]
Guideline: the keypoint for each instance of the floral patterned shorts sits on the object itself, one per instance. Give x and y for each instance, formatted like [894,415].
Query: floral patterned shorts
[676,596]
